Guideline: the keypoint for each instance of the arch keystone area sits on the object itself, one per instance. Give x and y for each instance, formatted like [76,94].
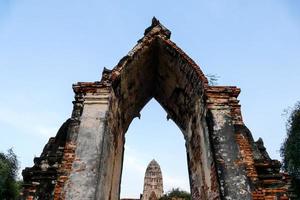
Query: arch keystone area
[84,160]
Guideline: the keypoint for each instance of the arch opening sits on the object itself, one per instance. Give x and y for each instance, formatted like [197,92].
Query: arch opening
[153,137]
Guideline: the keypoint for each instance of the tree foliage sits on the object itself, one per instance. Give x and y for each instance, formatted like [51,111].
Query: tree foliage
[176,193]
[290,149]
[9,165]
[212,79]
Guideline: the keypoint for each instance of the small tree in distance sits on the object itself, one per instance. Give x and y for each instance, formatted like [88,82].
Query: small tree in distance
[290,149]
[9,166]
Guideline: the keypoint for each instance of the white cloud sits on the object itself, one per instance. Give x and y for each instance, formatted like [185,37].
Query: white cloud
[133,161]
[46,131]
[175,182]
[134,167]
[29,122]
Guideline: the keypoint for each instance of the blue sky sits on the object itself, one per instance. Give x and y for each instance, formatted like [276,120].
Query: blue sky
[45,46]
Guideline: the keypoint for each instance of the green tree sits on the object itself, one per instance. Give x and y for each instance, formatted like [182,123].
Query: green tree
[212,79]
[9,165]
[290,149]
[176,193]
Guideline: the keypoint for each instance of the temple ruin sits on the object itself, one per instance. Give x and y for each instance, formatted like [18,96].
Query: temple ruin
[84,160]
[153,182]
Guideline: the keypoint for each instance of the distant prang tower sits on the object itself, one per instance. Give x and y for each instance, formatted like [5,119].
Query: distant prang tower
[153,182]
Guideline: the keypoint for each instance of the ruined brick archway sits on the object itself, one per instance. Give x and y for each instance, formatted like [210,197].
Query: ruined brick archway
[84,160]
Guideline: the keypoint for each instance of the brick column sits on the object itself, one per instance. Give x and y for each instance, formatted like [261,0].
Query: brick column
[223,105]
